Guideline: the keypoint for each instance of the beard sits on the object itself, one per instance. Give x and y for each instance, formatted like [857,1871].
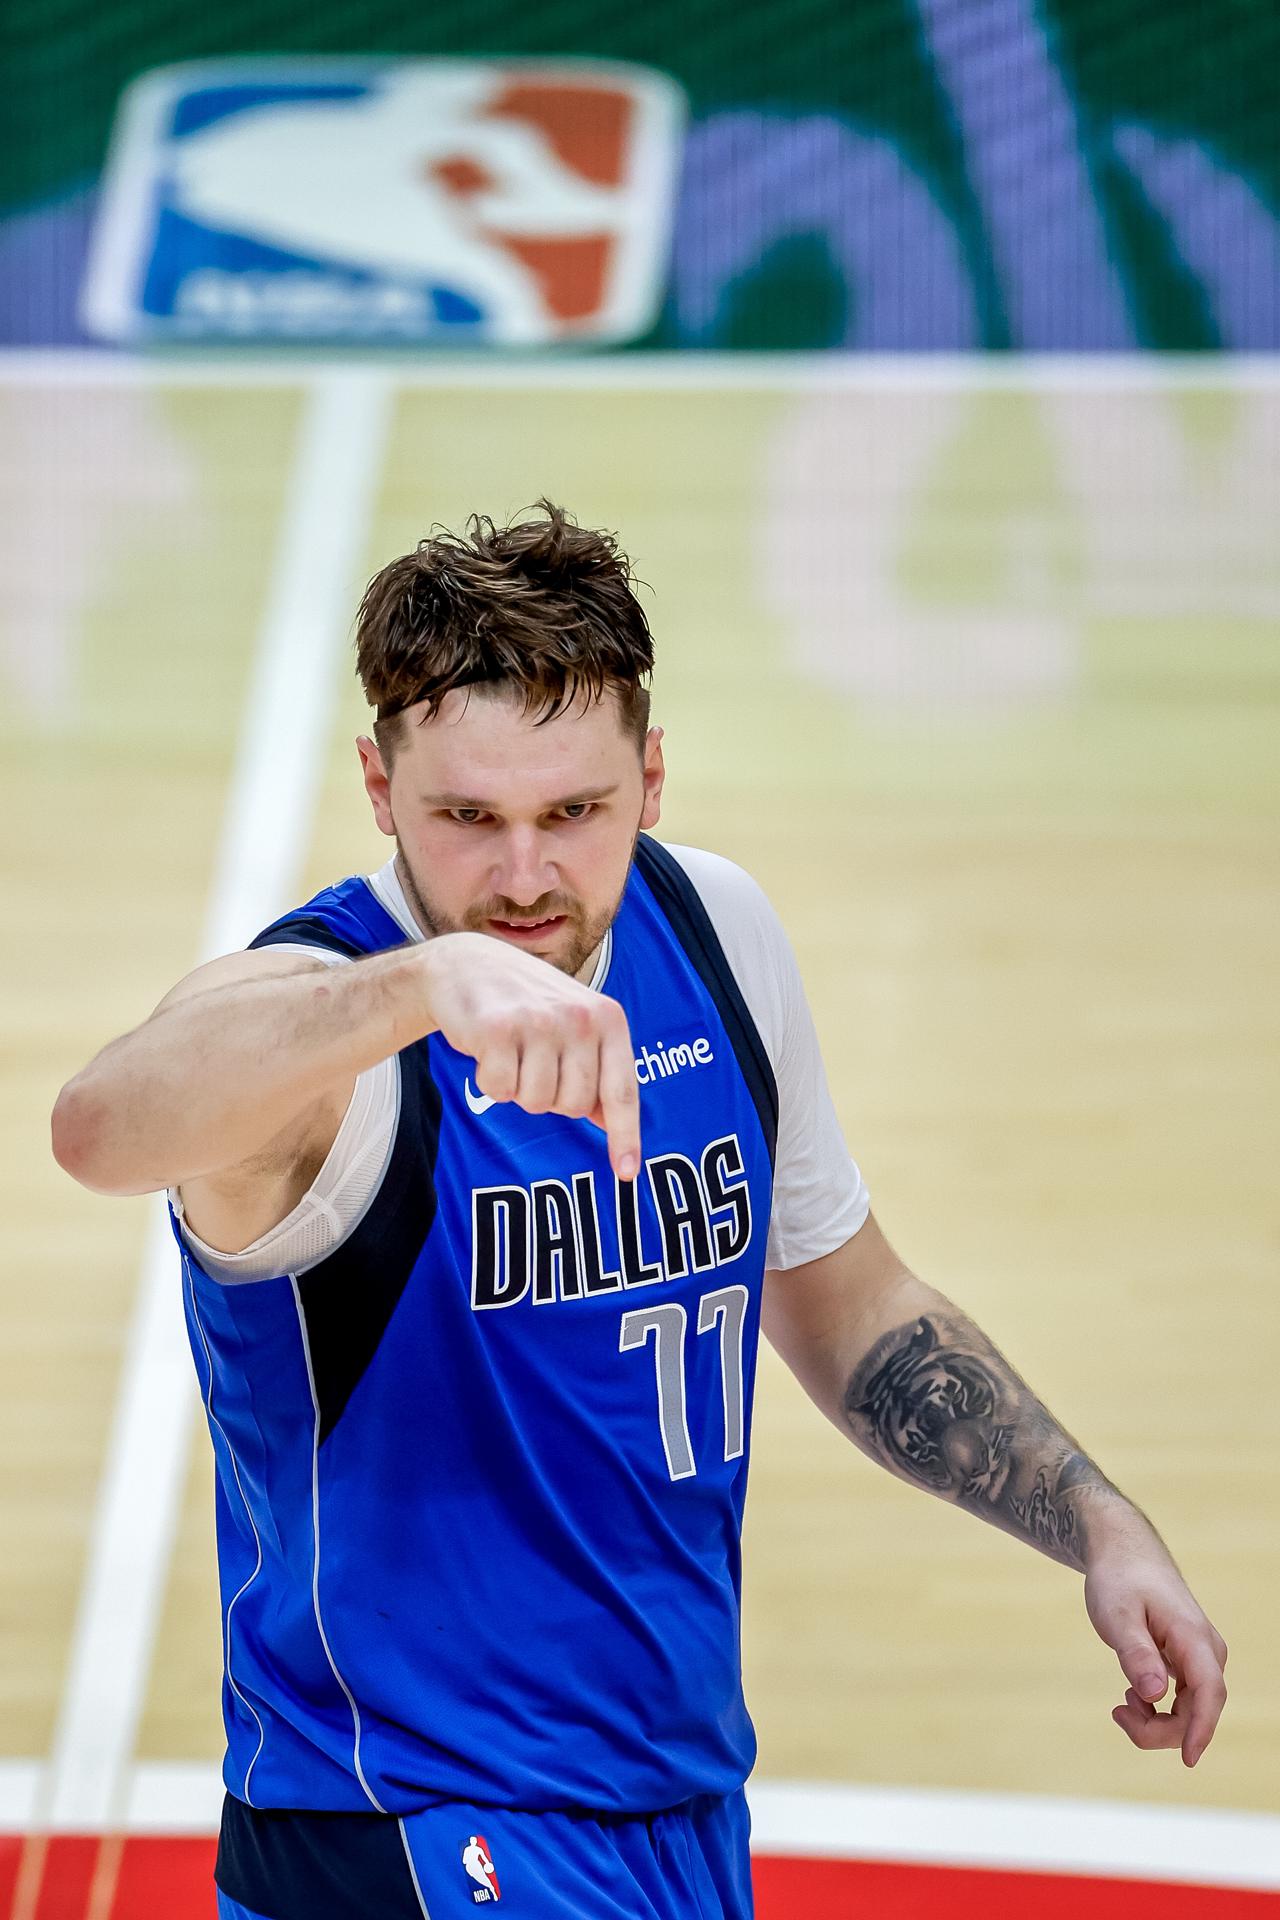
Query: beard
[577,939]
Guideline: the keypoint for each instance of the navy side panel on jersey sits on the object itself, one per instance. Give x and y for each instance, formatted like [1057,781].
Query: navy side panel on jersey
[481,1470]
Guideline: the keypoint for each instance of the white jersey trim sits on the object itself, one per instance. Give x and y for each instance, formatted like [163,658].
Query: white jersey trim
[214,1421]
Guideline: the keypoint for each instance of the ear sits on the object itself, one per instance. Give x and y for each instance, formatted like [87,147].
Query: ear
[654,774]
[377,783]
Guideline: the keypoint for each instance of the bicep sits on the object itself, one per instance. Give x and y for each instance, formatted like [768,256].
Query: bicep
[230,1207]
[236,969]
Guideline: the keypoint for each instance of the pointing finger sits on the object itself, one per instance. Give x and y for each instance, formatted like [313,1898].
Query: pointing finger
[620,1099]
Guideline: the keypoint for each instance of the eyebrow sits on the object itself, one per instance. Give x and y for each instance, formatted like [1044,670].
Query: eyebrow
[491,806]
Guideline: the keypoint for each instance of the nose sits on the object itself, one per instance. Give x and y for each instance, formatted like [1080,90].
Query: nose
[524,873]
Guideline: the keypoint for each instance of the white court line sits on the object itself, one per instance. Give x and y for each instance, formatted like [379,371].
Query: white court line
[652,372]
[279,763]
[1014,1831]
[921,1826]
[19,1794]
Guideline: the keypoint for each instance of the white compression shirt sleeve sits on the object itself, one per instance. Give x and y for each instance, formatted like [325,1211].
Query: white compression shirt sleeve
[819,1196]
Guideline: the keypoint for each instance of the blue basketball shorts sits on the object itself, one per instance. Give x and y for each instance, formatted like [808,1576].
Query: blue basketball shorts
[688,1863]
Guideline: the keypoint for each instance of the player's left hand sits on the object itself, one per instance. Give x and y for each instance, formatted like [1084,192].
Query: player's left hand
[1142,1608]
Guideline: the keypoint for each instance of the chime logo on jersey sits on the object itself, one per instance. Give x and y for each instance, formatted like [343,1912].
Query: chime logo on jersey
[478,1862]
[505,201]
[651,1066]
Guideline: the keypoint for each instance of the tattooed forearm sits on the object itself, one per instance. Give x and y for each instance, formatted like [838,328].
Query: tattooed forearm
[935,1401]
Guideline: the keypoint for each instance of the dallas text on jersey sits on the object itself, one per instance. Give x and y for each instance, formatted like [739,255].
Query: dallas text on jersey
[545,1237]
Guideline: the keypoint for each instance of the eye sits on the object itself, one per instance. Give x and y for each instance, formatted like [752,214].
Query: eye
[578,809]
[466,816]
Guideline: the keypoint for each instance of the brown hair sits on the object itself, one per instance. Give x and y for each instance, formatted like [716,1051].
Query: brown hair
[544,605]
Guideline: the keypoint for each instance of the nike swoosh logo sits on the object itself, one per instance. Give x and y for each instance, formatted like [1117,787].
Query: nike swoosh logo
[478,1102]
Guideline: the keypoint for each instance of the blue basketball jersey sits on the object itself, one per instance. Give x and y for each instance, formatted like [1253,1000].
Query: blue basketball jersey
[481,1470]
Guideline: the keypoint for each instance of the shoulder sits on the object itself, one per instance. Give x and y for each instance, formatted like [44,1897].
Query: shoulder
[720,882]
[751,935]
[348,919]
[246,964]
[737,905]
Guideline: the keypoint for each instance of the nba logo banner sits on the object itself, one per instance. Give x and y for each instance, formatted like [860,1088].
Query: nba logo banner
[468,202]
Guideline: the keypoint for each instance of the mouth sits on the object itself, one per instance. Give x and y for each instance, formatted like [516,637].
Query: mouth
[528,930]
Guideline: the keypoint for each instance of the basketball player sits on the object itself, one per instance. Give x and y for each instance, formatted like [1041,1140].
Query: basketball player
[485,1170]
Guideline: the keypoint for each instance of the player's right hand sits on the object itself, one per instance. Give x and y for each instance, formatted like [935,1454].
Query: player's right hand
[538,1037]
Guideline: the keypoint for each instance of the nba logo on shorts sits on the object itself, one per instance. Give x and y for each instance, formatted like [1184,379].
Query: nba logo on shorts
[512,202]
[478,1862]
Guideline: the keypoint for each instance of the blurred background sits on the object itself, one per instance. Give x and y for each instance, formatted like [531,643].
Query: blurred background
[923,356]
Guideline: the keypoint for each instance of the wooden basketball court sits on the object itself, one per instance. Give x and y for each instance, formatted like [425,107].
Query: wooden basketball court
[979,676]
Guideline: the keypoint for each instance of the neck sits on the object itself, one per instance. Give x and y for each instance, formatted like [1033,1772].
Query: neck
[589,965]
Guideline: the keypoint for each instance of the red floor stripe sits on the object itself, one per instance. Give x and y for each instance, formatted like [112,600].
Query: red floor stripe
[68,1875]
[166,1880]
[10,1853]
[172,1879]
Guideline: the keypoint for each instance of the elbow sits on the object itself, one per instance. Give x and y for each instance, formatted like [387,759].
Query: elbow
[80,1137]
[73,1127]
